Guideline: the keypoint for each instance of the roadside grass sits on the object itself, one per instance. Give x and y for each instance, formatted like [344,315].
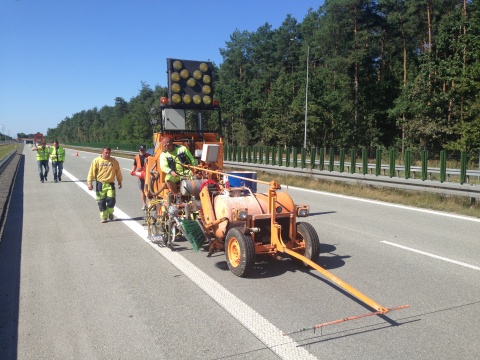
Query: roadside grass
[452,204]
[6,149]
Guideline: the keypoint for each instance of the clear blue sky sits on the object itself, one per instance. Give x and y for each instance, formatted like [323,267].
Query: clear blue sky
[59,57]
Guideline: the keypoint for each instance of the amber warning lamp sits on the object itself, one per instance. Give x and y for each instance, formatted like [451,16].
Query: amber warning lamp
[190,84]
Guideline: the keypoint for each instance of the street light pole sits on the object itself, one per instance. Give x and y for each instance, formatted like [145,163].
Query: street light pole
[306,101]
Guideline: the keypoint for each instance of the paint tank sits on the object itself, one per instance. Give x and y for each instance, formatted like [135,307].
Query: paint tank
[225,206]
[191,187]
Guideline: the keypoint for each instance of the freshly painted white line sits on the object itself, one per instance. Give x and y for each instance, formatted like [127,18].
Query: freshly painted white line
[284,346]
[455,216]
[432,255]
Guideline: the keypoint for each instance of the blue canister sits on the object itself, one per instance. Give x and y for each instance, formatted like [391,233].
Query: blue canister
[246,175]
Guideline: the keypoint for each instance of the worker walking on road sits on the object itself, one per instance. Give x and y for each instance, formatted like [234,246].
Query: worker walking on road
[104,169]
[172,160]
[57,157]
[139,168]
[42,160]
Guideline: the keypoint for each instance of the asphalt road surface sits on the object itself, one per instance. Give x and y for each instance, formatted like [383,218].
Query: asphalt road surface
[74,288]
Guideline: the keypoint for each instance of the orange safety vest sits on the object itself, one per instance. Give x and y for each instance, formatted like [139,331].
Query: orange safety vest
[140,170]
[138,163]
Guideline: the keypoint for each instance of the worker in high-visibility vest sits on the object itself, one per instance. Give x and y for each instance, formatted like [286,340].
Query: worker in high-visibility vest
[172,161]
[104,169]
[57,157]
[138,169]
[42,160]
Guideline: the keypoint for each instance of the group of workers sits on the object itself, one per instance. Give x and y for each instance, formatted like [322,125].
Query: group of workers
[56,154]
[105,170]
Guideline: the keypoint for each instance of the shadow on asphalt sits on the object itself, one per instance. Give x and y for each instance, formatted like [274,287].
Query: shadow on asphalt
[10,255]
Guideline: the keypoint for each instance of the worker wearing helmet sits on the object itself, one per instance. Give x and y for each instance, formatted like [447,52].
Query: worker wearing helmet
[42,160]
[104,169]
[172,160]
[57,157]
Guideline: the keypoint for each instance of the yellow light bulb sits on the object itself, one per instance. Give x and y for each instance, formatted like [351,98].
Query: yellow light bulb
[185,74]
[176,98]
[207,100]
[203,67]
[187,99]
[177,65]
[197,99]
[197,74]
[175,76]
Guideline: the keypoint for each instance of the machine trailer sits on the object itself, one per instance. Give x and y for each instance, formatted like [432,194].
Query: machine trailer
[213,215]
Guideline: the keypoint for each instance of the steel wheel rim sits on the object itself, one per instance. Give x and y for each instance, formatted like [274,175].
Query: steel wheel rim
[234,252]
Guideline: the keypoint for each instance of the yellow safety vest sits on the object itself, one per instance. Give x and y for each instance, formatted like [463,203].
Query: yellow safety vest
[57,154]
[42,153]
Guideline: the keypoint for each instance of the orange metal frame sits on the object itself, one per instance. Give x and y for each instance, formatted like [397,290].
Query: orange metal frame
[278,245]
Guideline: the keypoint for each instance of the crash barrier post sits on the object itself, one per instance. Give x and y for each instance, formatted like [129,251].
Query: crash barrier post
[312,157]
[378,161]
[331,160]
[392,163]
[267,155]
[288,153]
[423,155]
[443,165]
[280,156]
[364,161]
[304,157]
[463,167]
[407,163]
[353,161]
[342,161]
[295,157]
[322,159]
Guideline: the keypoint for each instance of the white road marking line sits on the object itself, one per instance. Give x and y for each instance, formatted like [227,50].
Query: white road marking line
[284,346]
[432,255]
[455,216]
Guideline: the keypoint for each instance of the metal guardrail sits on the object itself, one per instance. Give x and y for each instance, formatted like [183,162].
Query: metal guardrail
[7,159]
[456,189]
[413,169]
[297,158]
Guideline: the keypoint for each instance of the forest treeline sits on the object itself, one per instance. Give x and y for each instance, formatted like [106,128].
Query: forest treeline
[384,73]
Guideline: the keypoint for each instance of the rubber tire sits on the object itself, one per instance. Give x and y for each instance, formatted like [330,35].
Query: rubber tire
[239,252]
[309,235]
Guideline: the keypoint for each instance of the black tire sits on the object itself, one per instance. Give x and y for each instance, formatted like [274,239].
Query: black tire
[239,252]
[307,233]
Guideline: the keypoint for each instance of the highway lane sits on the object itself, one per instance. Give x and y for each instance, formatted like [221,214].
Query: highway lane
[102,275]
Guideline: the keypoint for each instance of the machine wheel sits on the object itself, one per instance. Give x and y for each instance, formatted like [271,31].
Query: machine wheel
[307,233]
[240,252]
